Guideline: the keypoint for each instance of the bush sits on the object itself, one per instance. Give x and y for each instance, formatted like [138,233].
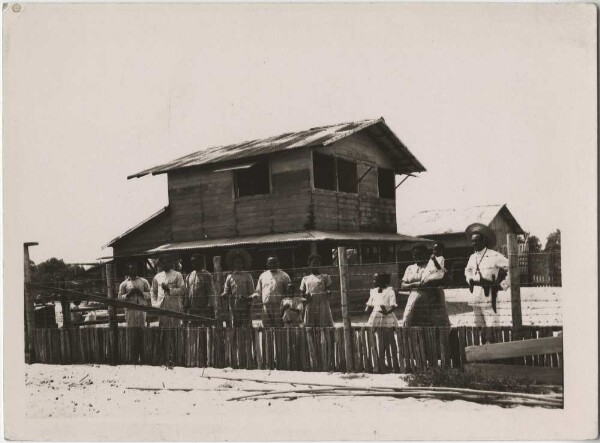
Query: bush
[456,378]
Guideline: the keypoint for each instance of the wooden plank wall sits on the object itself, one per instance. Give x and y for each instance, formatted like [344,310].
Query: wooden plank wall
[382,350]
[202,201]
[156,232]
[364,211]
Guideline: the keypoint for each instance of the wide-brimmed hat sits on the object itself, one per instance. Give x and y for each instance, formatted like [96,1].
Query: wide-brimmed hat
[488,235]
[238,253]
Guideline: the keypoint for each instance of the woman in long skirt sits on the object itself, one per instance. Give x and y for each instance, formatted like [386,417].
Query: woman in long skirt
[316,289]
[426,303]
[382,301]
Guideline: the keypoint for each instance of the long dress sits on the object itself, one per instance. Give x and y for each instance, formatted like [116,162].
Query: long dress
[172,301]
[387,298]
[238,288]
[135,318]
[318,311]
[425,306]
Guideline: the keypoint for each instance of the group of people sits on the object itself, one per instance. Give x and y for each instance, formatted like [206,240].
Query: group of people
[284,306]
[486,273]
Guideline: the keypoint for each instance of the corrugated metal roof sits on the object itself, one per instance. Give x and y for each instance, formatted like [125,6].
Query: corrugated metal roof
[139,225]
[450,221]
[288,237]
[402,158]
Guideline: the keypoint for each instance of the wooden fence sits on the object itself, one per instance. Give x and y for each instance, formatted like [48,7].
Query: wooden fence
[380,350]
[490,359]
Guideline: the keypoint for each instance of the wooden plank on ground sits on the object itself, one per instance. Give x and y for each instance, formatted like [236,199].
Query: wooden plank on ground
[534,373]
[514,349]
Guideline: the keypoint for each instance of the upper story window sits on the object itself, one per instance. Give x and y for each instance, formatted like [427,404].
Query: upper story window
[252,180]
[386,183]
[335,174]
[324,171]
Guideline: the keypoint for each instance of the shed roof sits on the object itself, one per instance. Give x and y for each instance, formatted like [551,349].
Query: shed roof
[404,161]
[139,225]
[454,221]
[287,237]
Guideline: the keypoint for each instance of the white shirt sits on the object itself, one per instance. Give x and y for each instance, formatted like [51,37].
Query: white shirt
[386,297]
[176,285]
[272,286]
[433,273]
[489,263]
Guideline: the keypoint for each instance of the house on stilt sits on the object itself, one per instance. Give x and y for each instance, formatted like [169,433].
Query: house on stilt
[293,194]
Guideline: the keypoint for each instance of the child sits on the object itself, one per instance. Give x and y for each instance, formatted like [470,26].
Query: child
[292,309]
[435,269]
[382,301]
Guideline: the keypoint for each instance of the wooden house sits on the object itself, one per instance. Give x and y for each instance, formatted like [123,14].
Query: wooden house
[448,227]
[292,194]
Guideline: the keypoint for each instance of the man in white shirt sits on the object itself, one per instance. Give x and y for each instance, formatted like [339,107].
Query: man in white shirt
[486,273]
[272,286]
[168,290]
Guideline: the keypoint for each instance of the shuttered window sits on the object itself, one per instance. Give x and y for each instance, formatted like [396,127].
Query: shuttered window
[324,171]
[252,181]
[335,174]
[347,176]
[386,183]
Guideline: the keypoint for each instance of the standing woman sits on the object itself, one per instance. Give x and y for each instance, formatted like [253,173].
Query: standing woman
[382,301]
[316,289]
[427,303]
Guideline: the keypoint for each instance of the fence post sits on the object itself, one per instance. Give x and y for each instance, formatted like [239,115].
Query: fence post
[112,311]
[515,282]
[29,306]
[217,284]
[343,265]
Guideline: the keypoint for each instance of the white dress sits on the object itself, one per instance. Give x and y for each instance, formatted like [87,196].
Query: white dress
[387,298]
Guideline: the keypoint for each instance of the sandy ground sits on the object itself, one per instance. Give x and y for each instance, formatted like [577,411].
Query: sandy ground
[73,395]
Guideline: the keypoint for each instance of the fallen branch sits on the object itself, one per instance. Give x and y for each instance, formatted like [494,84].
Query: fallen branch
[398,389]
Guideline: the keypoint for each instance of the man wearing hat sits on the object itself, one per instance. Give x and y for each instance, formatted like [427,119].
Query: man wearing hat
[486,273]
[168,290]
[200,297]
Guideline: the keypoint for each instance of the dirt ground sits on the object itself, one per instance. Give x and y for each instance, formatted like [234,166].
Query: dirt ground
[70,396]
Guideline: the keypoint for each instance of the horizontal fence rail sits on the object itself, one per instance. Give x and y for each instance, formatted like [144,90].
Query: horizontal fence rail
[374,350]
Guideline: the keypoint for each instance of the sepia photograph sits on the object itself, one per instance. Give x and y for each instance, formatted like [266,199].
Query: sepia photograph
[284,222]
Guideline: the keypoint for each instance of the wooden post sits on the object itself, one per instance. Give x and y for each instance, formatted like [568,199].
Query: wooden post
[217,284]
[342,260]
[515,281]
[29,306]
[112,311]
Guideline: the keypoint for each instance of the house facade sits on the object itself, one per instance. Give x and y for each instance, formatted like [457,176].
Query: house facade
[294,194]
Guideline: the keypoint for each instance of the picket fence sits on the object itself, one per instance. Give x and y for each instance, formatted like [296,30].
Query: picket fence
[375,350]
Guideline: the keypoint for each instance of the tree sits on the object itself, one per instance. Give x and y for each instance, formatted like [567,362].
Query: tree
[57,270]
[553,242]
[534,244]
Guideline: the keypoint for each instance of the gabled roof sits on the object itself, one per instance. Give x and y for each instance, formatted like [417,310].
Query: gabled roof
[454,221]
[139,225]
[403,160]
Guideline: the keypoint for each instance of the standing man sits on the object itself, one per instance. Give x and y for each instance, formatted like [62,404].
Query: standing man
[200,296]
[238,291]
[135,289]
[272,286]
[168,290]
[486,273]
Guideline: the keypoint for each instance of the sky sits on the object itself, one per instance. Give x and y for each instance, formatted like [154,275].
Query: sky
[492,99]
